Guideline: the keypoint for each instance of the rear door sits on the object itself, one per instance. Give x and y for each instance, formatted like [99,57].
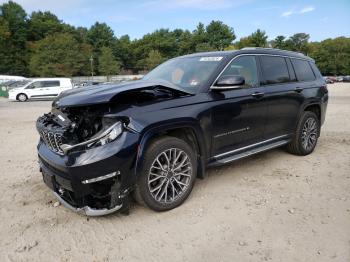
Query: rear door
[65,84]
[239,114]
[282,93]
[51,88]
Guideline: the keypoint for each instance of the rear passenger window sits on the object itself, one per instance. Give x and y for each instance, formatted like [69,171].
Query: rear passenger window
[274,69]
[50,83]
[303,70]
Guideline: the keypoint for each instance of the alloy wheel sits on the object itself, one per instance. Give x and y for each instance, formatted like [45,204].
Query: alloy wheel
[22,97]
[309,133]
[170,175]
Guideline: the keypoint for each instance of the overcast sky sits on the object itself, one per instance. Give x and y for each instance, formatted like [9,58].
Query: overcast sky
[321,19]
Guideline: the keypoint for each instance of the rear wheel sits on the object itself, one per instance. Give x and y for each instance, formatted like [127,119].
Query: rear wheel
[306,135]
[168,174]
[22,97]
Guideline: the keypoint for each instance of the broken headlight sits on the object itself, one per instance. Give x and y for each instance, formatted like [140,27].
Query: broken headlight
[111,134]
[108,135]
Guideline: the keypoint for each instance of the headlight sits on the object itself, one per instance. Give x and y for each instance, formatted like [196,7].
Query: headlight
[108,136]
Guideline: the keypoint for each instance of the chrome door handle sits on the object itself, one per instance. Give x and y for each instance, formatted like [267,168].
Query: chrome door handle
[257,94]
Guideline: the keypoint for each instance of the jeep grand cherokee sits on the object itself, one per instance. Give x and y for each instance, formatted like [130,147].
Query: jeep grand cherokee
[152,138]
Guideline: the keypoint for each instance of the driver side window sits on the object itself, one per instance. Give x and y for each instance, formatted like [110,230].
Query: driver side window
[35,85]
[244,66]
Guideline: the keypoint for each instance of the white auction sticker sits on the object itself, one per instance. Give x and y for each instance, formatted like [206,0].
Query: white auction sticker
[210,58]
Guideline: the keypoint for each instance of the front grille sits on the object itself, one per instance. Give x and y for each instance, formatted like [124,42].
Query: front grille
[52,140]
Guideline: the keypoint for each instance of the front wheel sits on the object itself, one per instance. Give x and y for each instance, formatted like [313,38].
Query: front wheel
[22,97]
[306,135]
[168,174]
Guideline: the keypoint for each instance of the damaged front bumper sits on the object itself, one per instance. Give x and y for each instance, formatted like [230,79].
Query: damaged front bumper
[86,210]
[94,182]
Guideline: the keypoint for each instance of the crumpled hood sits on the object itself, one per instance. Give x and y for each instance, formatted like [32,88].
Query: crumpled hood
[104,93]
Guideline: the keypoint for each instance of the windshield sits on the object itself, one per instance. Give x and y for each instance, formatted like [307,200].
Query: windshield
[189,73]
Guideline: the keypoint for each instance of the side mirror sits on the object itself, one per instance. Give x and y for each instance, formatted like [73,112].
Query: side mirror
[229,82]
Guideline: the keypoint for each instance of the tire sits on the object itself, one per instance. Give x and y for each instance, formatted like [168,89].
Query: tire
[22,97]
[174,183]
[306,135]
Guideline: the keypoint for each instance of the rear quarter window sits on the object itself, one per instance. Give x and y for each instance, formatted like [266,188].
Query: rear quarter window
[274,70]
[315,69]
[303,70]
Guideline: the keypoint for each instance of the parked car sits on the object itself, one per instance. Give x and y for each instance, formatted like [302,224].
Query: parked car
[40,88]
[88,83]
[5,84]
[328,80]
[332,78]
[346,79]
[152,138]
[16,84]
[339,79]
[6,78]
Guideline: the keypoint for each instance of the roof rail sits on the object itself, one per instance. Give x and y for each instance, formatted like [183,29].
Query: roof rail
[270,48]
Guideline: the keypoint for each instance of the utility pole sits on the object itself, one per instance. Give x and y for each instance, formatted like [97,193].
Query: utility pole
[92,67]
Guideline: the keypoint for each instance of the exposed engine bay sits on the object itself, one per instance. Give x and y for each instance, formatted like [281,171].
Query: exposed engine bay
[76,124]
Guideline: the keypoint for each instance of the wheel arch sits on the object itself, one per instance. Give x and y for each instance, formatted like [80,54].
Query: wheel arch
[315,108]
[186,131]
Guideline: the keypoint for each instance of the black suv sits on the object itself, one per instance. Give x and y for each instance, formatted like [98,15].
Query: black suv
[152,138]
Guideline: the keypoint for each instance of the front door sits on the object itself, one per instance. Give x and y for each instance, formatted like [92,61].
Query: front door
[238,115]
[35,89]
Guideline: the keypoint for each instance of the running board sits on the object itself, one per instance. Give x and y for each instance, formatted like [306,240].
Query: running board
[252,152]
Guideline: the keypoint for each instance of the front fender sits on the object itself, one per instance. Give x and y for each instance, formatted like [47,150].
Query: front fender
[162,128]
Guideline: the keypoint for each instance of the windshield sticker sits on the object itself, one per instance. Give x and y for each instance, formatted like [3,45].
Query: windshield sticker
[194,82]
[210,58]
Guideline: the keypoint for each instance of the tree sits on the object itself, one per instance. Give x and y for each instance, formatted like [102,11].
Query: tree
[204,47]
[298,42]
[13,53]
[184,43]
[258,38]
[42,45]
[279,42]
[123,51]
[162,40]
[100,35]
[5,37]
[244,42]
[42,24]
[108,65]
[59,55]
[199,36]
[332,56]
[219,35]
[154,58]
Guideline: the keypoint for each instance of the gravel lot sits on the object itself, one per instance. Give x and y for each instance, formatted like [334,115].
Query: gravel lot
[269,207]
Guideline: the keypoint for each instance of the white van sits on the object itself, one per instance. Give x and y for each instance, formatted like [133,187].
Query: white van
[40,88]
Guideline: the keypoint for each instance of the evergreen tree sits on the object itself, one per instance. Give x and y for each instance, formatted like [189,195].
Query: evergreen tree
[108,65]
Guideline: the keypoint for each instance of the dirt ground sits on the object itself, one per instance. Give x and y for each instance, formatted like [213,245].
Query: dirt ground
[269,207]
